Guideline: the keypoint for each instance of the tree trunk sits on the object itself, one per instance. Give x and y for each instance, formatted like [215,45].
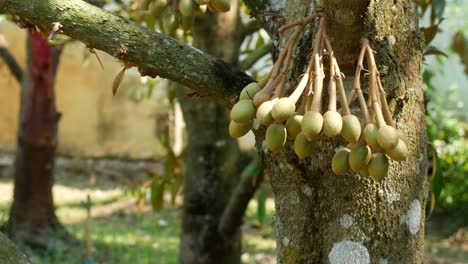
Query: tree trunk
[324,218]
[212,156]
[32,211]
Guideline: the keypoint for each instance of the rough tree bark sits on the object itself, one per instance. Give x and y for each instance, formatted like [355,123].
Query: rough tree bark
[212,160]
[32,211]
[321,218]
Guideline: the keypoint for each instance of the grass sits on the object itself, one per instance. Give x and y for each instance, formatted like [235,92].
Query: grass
[119,234]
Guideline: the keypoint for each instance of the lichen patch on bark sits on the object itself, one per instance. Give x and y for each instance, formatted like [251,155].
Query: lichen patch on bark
[349,252]
[413,217]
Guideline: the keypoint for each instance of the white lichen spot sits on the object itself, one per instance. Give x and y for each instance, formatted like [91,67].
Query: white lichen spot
[277,5]
[285,241]
[394,9]
[264,147]
[413,217]
[391,40]
[393,197]
[383,261]
[346,221]
[255,124]
[220,143]
[349,252]
[307,191]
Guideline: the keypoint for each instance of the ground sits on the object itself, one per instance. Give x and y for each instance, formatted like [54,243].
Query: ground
[121,233]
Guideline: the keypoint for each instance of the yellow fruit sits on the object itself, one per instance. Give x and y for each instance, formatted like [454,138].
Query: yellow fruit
[364,171]
[275,137]
[340,161]
[283,109]
[239,129]
[293,126]
[400,152]
[260,98]
[370,135]
[312,124]
[250,91]
[220,5]
[186,7]
[351,130]
[378,166]
[186,22]
[387,137]
[359,157]
[302,146]
[170,22]
[264,113]
[332,124]
[156,7]
[243,111]
[143,4]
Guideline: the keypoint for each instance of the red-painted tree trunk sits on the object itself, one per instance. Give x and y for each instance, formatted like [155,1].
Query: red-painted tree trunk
[32,211]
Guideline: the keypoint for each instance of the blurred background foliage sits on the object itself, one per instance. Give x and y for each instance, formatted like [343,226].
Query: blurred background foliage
[445,28]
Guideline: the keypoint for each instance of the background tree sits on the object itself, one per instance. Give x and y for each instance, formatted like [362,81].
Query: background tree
[32,211]
[319,216]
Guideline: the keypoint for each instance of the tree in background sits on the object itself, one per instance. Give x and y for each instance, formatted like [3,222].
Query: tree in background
[319,216]
[32,214]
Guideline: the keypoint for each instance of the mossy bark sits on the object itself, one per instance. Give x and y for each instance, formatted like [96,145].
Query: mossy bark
[324,218]
[211,169]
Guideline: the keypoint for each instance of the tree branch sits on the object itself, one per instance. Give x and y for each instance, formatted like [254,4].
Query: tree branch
[255,56]
[153,53]
[251,178]
[250,28]
[10,60]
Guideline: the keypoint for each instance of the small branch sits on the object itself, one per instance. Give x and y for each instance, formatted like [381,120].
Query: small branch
[251,178]
[250,28]
[255,56]
[10,60]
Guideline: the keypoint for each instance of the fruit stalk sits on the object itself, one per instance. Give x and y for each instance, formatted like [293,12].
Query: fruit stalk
[373,89]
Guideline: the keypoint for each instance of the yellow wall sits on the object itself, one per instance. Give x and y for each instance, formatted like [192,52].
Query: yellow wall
[94,123]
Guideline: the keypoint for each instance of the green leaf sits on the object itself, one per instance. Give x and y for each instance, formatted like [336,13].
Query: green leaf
[429,33]
[431,50]
[261,207]
[157,193]
[437,179]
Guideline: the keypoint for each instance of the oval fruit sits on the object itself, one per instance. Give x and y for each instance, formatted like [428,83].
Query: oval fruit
[302,146]
[186,22]
[275,137]
[351,130]
[370,135]
[243,111]
[157,7]
[364,171]
[250,91]
[260,98]
[378,166]
[340,161]
[400,152]
[312,124]
[293,126]
[220,5]
[239,129]
[387,137]
[359,157]
[186,7]
[170,22]
[264,113]
[283,109]
[332,124]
